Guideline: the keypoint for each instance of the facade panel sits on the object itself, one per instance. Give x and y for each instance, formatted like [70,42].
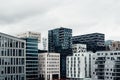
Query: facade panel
[12,58]
[31,58]
[49,66]
[106,65]
[78,66]
[95,41]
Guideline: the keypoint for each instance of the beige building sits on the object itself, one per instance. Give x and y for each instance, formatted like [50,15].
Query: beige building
[116,45]
[112,45]
[31,34]
[49,66]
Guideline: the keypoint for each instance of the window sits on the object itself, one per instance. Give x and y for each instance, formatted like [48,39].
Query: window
[8,70]
[106,54]
[98,53]
[75,54]
[82,54]
[0,61]
[106,73]
[118,53]
[13,52]
[115,53]
[111,53]
[20,52]
[2,53]
[108,57]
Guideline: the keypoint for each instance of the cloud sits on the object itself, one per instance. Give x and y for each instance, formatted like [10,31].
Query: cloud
[16,10]
[83,16]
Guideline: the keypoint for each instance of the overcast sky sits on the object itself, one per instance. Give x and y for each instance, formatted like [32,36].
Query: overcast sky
[83,16]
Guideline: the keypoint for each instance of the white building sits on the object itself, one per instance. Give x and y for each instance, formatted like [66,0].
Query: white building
[44,40]
[30,35]
[106,65]
[12,58]
[78,66]
[49,66]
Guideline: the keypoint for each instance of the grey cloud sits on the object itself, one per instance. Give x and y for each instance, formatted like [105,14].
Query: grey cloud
[83,16]
[16,10]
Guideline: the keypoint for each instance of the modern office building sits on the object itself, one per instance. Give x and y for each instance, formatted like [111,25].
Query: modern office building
[12,58]
[78,66]
[31,34]
[95,41]
[60,41]
[31,57]
[49,66]
[106,65]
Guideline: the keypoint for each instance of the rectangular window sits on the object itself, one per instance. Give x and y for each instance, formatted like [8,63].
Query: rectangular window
[0,61]
[8,70]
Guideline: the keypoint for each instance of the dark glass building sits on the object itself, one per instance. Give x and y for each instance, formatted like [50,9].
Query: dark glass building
[95,41]
[31,58]
[60,41]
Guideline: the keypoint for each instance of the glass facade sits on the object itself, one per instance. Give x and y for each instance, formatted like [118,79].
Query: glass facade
[31,58]
[95,41]
[60,41]
[12,58]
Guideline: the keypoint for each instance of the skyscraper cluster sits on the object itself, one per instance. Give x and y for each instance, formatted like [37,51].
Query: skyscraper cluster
[81,57]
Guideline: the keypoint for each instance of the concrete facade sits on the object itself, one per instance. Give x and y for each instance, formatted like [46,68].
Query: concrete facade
[78,66]
[49,66]
[12,58]
[30,35]
[106,65]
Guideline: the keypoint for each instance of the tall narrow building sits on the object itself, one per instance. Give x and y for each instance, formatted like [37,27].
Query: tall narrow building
[12,58]
[31,58]
[60,41]
[31,55]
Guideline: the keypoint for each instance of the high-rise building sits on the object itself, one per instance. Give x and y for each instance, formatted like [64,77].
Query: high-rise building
[106,65]
[31,57]
[95,41]
[78,66]
[60,41]
[49,66]
[12,58]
